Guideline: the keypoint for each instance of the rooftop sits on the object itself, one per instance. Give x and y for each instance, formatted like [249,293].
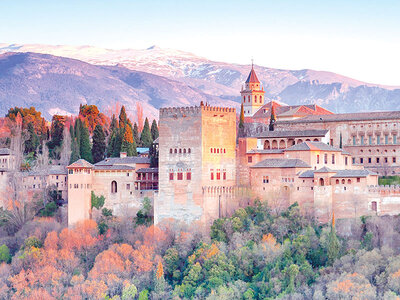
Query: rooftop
[113,167]
[313,146]
[353,173]
[281,163]
[293,133]
[364,116]
[252,77]
[147,170]
[81,163]
[265,151]
[5,151]
[123,161]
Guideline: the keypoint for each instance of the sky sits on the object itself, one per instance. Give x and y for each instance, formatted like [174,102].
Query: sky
[358,39]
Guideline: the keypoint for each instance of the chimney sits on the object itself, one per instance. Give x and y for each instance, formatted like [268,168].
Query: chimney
[122,154]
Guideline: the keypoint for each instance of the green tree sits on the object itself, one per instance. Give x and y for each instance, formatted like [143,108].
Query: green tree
[5,254]
[32,141]
[56,133]
[97,201]
[144,295]
[117,142]
[154,130]
[145,137]
[129,292]
[128,143]
[333,244]
[85,151]
[99,144]
[123,119]
[136,136]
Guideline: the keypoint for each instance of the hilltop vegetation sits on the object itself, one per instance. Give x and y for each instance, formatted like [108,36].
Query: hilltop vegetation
[252,255]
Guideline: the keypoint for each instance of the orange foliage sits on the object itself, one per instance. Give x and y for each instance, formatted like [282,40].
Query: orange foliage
[396,274]
[95,289]
[143,258]
[270,240]
[154,236]
[84,235]
[51,241]
[160,270]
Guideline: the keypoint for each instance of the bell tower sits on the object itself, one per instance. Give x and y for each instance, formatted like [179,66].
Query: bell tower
[252,94]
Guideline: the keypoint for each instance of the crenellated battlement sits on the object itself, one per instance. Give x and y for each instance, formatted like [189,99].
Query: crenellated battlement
[384,189]
[193,110]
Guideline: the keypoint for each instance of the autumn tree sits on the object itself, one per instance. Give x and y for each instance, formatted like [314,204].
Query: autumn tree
[145,137]
[99,144]
[128,143]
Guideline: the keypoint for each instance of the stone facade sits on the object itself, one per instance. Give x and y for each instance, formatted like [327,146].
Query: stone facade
[197,164]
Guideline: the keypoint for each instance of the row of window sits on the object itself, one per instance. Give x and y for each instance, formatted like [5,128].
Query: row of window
[378,140]
[217,150]
[377,160]
[82,186]
[179,175]
[217,174]
[249,99]
[180,151]
[79,171]
[4,160]
[326,159]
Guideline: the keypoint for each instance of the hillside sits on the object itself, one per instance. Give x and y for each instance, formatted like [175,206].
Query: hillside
[333,91]
[59,85]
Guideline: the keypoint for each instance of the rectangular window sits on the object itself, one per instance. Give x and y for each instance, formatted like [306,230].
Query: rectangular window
[224,175]
[333,159]
[394,159]
[250,159]
[345,160]
[354,140]
[57,177]
[369,160]
[331,142]
[180,176]
[386,139]
[325,158]
[171,176]
[361,160]
[378,139]
[395,139]
[265,179]
[386,159]
[362,140]
[188,176]
[212,174]
[358,179]
[370,139]
[377,160]
[128,186]
[218,174]
[317,159]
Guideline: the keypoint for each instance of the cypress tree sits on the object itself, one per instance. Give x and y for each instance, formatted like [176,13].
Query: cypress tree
[78,128]
[117,142]
[145,137]
[333,243]
[154,130]
[122,118]
[128,143]
[33,141]
[99,144]
[75,151]
[114,123]
[136,134]
[241,121]
[272,119]
[84,149]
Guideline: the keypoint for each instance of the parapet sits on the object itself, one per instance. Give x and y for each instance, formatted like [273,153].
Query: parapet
[193,110]
[384,189]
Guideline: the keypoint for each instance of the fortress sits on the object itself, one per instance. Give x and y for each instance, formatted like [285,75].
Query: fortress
[328,163]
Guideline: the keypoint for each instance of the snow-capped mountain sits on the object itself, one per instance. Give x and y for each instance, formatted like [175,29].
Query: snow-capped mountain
[335,92]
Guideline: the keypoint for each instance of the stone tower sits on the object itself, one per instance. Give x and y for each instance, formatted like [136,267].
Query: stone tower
[252,94]
[197,164]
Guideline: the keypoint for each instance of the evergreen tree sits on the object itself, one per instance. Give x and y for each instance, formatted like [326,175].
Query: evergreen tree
[32,142]
[136,134]
[117,142]
[99,144]
[333,243]
[122,118]
[84,149]
[272,119]
[241,121]
[154,130]
[145,137]
[128,143]
[74,151]
[78,128]
[5,254]
[114,123]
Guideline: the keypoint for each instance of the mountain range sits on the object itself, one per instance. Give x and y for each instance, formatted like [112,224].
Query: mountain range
[158,77]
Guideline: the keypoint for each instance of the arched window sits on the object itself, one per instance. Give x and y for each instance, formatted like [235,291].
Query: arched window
[211,150]
[343,181]
[184,150]
[189,150]
[248,98]
[180,151]
[176,151]
[255,98]
[114,187]
[321,182]
[349,181]
[170,150]
[337,181]
[217,150]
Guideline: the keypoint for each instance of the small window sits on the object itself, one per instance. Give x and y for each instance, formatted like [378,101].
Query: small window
[317,159]
[170,150]
[374,206]
[358,179]
[394,159]
[70,171]
[188,176]
[184,150]
[212,175]
[369,160]
[180,176]
[349,181]
[361,160]
[343,181]
[171,176]
[175,151]
[189,150]
[180,151]
[337,181]
[211,150]
[333,159]
[114,187]
[218,174]
[249,159]
[377,160]
[128,186]
[224,175]
[325,158]
[345,160]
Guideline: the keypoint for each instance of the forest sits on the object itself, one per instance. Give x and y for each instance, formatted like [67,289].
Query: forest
[255,254]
